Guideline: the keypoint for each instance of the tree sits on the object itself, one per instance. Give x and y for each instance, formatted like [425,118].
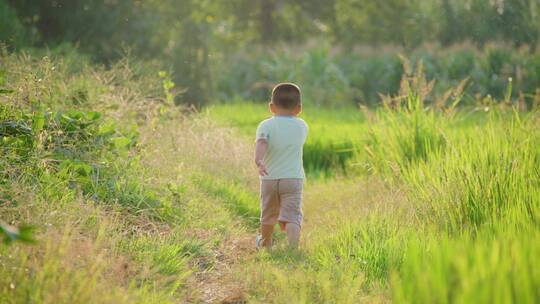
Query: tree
[266,12]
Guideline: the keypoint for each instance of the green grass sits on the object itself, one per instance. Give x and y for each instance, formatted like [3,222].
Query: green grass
[479,268]
[136,202]
[476,191]
[236,198]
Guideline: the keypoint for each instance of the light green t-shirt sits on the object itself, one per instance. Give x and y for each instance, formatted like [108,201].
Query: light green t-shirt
[286,136]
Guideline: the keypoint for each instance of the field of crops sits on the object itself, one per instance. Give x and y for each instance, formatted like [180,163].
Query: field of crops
[133,200]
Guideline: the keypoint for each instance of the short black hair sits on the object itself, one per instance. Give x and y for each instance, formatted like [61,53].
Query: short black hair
[286,95]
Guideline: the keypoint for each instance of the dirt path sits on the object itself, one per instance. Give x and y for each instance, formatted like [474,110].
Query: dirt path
[170,152]
[220,285]
[176,152]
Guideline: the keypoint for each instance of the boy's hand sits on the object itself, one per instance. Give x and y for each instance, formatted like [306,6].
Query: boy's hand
[262,168]
[260,151]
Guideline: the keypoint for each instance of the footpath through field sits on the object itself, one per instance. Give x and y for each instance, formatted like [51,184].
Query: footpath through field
[214,164]
[208,162]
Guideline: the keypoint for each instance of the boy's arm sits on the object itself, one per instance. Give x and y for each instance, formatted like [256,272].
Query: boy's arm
[260,150]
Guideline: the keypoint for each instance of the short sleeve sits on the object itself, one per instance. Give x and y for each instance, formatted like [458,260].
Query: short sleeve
[306,128]
[263,131]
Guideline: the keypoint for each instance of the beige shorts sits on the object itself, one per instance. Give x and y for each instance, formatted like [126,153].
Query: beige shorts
[281,200]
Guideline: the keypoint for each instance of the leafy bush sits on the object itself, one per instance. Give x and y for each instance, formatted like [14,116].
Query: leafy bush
[79,147]
[316,71]
[12,32]
[335,77]
[83,150]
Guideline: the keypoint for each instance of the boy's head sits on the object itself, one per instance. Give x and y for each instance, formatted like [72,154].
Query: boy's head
[286,97]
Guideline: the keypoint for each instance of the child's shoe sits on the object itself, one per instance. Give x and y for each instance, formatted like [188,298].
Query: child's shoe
[258,242]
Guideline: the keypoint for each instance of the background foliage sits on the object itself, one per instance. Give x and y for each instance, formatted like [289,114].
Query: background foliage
[219,49]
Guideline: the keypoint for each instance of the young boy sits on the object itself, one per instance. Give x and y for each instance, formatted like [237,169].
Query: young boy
[278,156]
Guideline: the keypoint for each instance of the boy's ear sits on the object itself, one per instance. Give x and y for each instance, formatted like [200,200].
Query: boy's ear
[272,107]
[298,109]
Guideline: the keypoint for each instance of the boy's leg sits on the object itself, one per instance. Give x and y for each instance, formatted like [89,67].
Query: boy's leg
[266,234]
[290,215]
[282,225]
[293,234]
[269,210]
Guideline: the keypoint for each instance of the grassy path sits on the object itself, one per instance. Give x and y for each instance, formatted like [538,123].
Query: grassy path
[226,211]
[223,212]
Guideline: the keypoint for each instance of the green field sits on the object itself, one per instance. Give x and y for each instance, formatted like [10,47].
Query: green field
[134,200]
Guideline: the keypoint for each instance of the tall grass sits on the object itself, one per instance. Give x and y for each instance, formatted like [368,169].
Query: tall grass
[476,193]
[479,268]
[471,174]
[403,137]
[491,178]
